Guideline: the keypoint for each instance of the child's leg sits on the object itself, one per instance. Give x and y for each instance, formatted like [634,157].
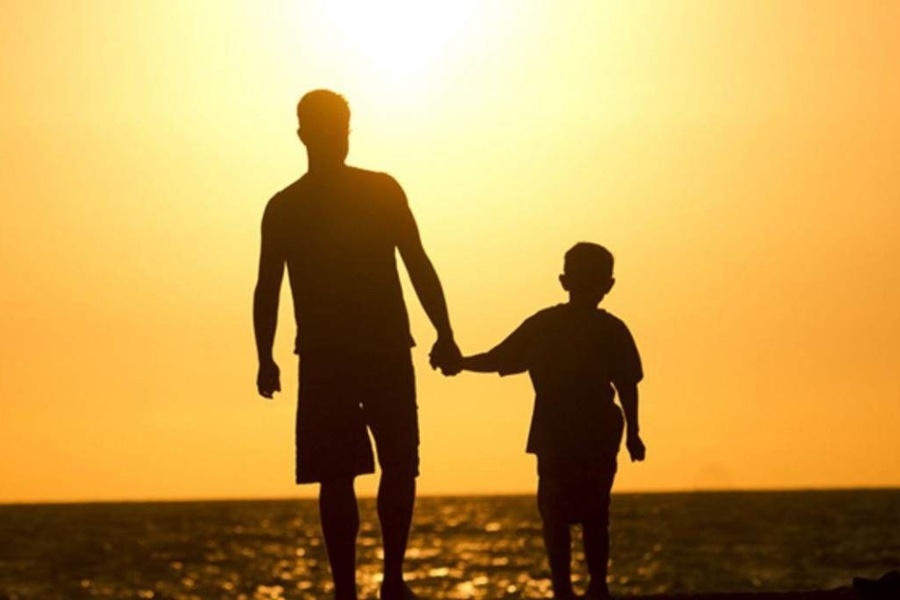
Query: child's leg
[557,538]
[558,542]
[595,533]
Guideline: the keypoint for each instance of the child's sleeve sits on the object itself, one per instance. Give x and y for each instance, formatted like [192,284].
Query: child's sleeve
[626,367]
[512,355]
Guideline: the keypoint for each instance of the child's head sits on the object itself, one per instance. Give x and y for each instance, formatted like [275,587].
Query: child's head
[587,272]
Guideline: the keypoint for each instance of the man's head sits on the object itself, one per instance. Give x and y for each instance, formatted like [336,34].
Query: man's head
[324,118]
[587,271]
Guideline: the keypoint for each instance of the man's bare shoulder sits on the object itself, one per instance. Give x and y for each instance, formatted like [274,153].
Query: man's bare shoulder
[283,197]
[374,179]
[279,203]
[294,189]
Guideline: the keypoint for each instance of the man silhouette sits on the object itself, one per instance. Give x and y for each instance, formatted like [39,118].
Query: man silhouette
[336,228]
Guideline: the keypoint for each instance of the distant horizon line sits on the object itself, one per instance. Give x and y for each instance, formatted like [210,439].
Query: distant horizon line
[312,498]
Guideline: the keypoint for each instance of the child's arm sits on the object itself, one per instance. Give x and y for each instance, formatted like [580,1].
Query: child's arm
[507,358]
[480,363]
[628,396]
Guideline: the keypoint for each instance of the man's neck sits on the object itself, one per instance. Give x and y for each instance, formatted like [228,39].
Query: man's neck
[324,168]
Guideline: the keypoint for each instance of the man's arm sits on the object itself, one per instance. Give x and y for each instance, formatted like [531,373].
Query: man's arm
[428,288]
[628,396]
[265,309]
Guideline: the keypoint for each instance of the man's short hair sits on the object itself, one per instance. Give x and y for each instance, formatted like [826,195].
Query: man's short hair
[323,111]
[586,263]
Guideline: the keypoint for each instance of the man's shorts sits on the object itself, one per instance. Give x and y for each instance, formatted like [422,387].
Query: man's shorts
[344,395]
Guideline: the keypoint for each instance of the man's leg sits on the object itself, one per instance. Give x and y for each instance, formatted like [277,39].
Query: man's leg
[396,498]
[392,416]
[339,515]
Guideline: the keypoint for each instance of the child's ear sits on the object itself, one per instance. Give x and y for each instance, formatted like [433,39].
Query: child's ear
[564,282]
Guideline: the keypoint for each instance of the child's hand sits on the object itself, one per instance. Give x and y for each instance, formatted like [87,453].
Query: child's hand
[635,446]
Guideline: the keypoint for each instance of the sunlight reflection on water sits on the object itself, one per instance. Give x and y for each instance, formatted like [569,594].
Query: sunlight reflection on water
[460,547]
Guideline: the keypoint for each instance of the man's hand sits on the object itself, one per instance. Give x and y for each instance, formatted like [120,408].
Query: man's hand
[635,446]
[268,379]
[445,355]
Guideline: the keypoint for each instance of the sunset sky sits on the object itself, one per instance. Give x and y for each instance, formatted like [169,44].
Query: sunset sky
[740,159]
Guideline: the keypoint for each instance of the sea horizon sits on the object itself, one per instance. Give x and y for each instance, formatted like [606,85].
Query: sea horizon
[473,494]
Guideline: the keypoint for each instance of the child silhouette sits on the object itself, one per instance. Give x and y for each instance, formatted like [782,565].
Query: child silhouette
[578,357]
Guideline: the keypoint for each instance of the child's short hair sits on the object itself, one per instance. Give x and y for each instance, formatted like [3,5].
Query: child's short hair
[587,263]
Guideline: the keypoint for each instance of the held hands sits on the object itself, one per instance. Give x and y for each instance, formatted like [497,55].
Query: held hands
[635,445]
[268,379]
[445,355]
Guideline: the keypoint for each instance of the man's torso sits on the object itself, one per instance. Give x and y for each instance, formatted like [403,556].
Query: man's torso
[338,238]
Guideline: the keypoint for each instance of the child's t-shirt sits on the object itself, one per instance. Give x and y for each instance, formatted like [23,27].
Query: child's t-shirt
[574,357]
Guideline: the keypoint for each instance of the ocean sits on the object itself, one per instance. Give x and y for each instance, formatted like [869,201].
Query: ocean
[460,547]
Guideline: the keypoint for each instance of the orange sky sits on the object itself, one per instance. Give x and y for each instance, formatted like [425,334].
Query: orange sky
[742,160]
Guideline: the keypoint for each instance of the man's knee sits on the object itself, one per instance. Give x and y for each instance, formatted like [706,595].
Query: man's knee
[396,485]
[400,460]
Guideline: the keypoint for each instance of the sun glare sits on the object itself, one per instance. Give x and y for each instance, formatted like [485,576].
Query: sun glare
[399,38]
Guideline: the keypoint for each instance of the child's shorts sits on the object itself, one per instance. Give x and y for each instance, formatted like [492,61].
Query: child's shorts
[573,492]
[575,489]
